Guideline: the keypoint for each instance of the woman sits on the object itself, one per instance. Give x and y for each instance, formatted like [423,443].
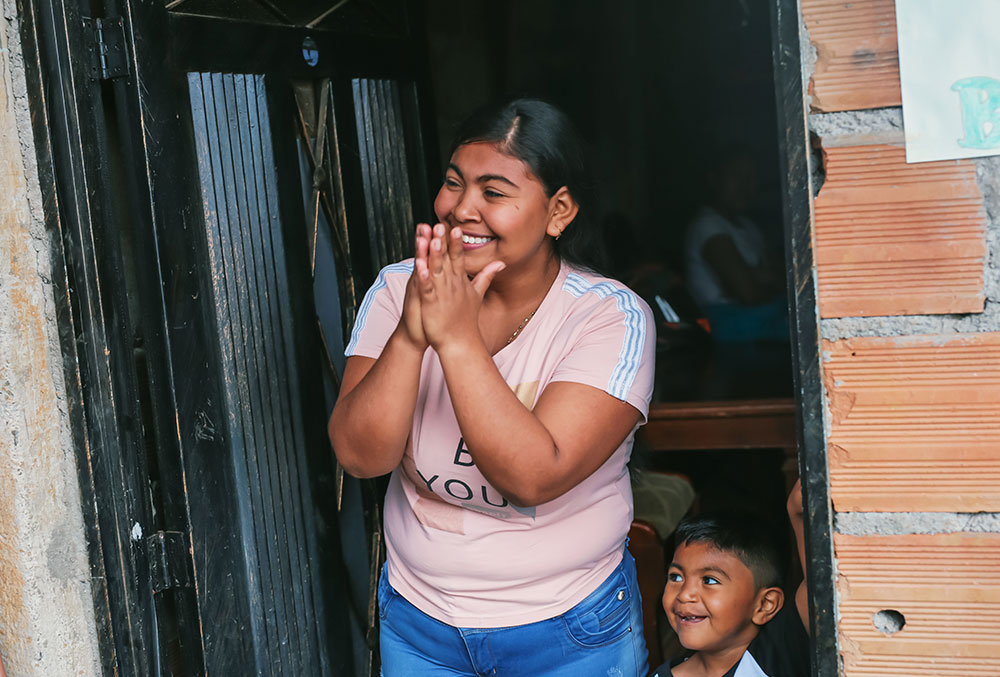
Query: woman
[501,383]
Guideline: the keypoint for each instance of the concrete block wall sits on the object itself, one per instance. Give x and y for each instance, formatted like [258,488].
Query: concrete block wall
[908,286]
[47,626]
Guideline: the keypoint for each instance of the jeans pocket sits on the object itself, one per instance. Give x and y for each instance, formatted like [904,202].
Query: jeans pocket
[603,617]
[386,594]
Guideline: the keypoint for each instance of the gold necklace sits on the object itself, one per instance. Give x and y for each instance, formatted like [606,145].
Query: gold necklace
[520,327]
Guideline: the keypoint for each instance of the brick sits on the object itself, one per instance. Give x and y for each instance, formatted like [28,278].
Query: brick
[914,423]
[917,230]
[857,64]
[947,588]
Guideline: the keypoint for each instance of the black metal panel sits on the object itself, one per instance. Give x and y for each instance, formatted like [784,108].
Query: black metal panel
[384,162]
[309,303]
[252,302]
[805,344]
[330,259]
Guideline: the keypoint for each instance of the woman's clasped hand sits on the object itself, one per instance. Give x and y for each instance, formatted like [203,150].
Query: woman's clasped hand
[446,300]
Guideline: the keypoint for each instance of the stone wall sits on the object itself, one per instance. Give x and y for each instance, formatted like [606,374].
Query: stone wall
[47,623]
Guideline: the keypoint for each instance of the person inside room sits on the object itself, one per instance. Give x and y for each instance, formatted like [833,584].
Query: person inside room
[737,279]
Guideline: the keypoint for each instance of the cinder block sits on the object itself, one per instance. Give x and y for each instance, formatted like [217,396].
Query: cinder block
[914,423]
[898,239]
[946,590]
[857,64]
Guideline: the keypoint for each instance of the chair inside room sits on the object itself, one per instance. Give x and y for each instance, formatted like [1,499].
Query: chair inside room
[661,501]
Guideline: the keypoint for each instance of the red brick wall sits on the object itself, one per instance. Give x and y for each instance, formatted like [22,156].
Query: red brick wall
[913,420]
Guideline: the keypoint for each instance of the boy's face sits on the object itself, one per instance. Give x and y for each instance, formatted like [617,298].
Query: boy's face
[711,599]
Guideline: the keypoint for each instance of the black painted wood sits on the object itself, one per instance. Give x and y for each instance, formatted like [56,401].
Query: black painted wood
[99,334]
[261,371]
[187,318]
[48,99]
[167,214]
[799,255]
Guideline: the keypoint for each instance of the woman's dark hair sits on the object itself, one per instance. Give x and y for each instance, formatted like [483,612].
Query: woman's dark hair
[544,138]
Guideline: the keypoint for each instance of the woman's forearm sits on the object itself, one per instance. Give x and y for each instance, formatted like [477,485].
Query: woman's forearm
[372,419]
[511,448]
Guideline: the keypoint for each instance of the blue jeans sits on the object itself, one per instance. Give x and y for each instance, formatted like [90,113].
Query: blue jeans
[602,635]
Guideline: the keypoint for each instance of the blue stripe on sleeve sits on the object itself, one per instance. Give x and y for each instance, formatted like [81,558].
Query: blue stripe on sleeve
[627,303]
[366,305]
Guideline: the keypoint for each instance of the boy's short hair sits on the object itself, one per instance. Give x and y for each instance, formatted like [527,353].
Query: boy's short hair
[749,538]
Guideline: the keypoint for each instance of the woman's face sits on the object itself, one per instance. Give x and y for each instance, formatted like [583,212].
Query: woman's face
[500,206]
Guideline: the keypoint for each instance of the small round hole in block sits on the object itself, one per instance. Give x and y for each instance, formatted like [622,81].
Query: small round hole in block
[888,621]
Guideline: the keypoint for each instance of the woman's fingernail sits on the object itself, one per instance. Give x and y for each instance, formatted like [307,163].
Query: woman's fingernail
[436,245]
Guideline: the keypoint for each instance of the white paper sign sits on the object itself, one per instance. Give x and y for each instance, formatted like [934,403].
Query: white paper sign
[949,62]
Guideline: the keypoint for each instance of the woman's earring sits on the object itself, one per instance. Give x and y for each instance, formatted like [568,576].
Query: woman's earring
[558,235]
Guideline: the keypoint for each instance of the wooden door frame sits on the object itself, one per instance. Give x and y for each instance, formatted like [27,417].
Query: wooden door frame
[66,106]
[793,151]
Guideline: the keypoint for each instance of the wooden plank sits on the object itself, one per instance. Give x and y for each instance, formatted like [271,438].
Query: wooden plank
[946,588]
[740,424]
[914,423]
[916,229]
[857,57]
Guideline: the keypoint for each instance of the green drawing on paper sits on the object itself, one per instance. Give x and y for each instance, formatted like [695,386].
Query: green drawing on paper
[980,101]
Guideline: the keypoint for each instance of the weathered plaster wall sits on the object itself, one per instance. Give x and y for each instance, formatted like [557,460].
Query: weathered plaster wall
[46,613]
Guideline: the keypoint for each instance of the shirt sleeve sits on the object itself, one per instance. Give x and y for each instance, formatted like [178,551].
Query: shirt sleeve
[380,311]
[616,350]
[707,225]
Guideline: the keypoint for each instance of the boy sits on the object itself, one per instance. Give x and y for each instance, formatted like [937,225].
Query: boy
[724,600]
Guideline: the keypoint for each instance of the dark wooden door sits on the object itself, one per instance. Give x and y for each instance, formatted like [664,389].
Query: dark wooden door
[246,167]
[299,135]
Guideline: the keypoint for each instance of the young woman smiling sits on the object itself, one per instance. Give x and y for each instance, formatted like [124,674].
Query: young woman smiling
[501,380]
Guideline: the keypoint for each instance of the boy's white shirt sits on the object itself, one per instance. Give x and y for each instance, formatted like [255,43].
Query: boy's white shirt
[748,667]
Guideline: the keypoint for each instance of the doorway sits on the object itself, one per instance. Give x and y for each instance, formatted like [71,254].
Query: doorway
[166,360]
[668,95]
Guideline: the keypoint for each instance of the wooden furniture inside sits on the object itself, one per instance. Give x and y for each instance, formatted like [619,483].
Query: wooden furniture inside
[736,424]
[651,570]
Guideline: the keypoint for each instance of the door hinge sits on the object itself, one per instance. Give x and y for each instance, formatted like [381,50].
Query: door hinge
[169,560]
[110,60]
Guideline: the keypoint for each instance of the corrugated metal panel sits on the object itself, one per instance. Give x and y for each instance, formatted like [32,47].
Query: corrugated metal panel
[915,423]
[917,230]
[947,588]
[857,63]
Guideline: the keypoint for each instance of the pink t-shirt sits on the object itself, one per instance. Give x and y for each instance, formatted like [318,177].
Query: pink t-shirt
[457,549]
